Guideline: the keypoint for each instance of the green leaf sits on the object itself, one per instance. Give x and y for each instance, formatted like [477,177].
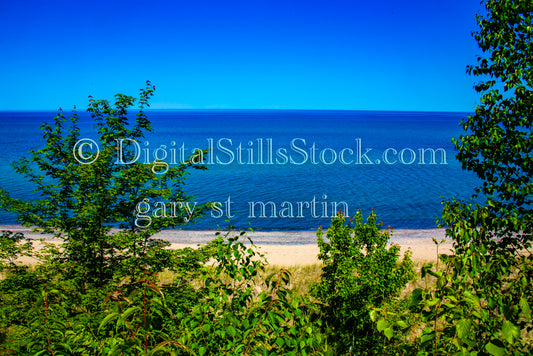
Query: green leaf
[416,297]
[373,315]
[402,324]
[463,328]
[107,319]
[472,299]
[382,324]
[495,350]
[526,310]
[280,342]
[427,337]
[510,332]
[389,333]
[129,311]
[432,302]
[231,331]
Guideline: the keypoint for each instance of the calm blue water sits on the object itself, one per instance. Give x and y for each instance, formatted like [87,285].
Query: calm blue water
[276,164]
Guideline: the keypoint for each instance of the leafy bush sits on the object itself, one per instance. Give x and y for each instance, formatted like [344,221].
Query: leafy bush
[237,318]
[82,196]
[359,272]
[217,304]
[480,303]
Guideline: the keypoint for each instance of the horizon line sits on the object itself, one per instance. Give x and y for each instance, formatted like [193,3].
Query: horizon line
[247,109]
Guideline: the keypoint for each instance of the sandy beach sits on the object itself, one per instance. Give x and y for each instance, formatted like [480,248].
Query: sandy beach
[290,248]
[286,248]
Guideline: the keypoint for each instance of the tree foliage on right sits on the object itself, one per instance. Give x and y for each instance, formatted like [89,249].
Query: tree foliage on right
[484,295]
[482,300]
[498,145]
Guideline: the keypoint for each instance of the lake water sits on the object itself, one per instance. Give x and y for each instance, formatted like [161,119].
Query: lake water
[289,170]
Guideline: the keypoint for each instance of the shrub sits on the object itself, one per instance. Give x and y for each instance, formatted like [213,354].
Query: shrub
[359,272]
[81,200]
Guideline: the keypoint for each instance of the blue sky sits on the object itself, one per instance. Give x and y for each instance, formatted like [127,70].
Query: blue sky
[250,54]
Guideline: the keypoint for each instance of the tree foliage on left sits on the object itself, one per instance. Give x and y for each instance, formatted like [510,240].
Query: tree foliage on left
[80,203]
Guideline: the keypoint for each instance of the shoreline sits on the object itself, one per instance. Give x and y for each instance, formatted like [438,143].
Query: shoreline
[289,248]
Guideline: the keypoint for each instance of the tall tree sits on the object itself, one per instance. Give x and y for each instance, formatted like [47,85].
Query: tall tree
[84,194]
[498,143]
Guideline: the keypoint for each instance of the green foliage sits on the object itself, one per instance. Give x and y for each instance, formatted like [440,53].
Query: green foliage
[235,318]
[217,304]
[138,319]
[97,293]
[12,248]
[44,313]
[481,301]
[81,202]
[359,272]
[497,145]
